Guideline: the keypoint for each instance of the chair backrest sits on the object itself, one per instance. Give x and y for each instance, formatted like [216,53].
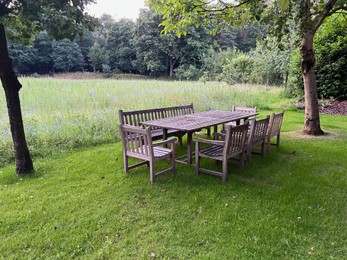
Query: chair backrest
[258,130]
[244,109]
[275,124]
[136,141]
[235,139]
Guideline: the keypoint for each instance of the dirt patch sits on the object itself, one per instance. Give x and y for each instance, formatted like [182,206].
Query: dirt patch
[325,136]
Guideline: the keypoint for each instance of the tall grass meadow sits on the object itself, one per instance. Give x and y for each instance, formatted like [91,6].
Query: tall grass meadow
[63,114]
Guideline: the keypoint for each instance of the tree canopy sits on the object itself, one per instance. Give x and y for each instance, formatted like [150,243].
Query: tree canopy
[308,16]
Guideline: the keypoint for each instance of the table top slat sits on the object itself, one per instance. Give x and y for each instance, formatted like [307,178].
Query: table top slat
[196,121]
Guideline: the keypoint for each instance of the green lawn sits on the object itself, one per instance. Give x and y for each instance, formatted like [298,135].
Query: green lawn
[291,205]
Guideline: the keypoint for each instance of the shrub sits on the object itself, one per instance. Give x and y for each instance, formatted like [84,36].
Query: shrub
[239,69]
[185,72]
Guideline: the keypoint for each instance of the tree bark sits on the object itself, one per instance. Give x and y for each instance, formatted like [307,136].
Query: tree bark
[11,85]
[171,64]
[312,121]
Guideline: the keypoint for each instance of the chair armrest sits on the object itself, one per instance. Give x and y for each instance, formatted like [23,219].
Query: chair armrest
[207,141]
[167,141]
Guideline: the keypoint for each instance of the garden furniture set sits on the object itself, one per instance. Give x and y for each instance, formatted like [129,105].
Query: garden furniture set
[241,135]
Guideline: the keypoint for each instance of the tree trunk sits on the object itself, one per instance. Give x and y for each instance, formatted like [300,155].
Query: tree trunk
[11,85]
[172,63]
[312,122]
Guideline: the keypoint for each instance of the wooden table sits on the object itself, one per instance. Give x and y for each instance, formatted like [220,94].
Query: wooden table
[196,121]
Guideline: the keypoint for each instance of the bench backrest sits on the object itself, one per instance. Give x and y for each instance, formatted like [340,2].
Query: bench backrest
[244,109]
[136,117]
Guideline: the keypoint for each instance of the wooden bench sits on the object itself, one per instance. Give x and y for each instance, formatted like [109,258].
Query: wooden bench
[136,117]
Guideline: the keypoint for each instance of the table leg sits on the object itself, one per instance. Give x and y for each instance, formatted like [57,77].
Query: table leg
[189,147]
[215,128]
[165,136]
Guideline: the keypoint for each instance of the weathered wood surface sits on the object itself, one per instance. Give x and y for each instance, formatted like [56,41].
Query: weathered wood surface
[137,117]
[274,129]
[257,136]
[194,122]
[234,145]
[137,143]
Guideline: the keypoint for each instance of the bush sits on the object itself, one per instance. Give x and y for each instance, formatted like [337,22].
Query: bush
[239,69]
[331,56]
[295,82]
[185,72]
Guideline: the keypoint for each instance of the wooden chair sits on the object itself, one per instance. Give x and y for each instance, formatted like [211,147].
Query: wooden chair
[137,143]
[233,145]
[249,110]
[274,129]
[257,137]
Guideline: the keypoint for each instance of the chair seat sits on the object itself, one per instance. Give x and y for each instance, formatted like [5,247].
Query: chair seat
[161,152]
[215,151]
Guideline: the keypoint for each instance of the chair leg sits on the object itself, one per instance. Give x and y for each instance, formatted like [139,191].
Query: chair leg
[248,154]
[278,141]
[151,171]
[173,163]
[224,170]
[242,160]
[262,150]
[268,145]
[180,140]
[126,163]
[197,163]
[209,131]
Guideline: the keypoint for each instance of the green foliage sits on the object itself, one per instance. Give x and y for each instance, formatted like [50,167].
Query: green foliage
[61,19]
[23,57]
[43,49]
[331,58]
[66,55]
[97,57]
[214,61]
[238,69]
[119,46]
[185,72]
[295,82]
[331,51]
[162,53]
[289,205]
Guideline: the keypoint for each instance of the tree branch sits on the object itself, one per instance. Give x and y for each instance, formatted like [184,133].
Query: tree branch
[325,13]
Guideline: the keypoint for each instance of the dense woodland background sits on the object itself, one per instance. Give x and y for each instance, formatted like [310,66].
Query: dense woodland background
[237,55]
